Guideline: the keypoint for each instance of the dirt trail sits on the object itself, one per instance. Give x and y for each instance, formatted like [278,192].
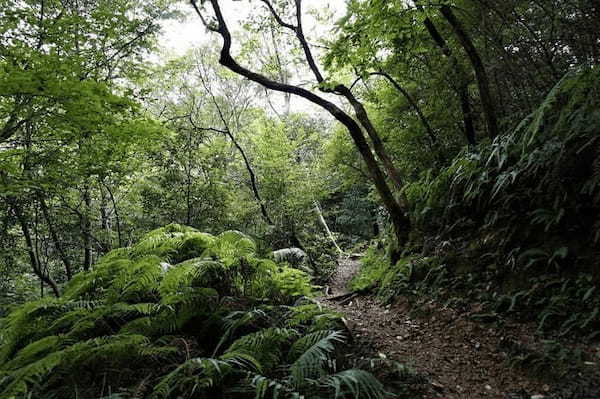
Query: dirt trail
[459,358]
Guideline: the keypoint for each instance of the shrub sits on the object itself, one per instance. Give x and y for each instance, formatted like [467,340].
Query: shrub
[218,323]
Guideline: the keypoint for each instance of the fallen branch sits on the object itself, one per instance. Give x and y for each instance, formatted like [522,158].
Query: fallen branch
[349,299]
[349,294]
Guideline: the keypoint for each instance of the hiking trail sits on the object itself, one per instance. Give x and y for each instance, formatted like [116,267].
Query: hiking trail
[458,357]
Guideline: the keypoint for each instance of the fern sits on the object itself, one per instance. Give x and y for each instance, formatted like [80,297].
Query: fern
[267,346]
[230,246]
[354,383]
[147,328]
[192,379]
[237,319]
[311,354]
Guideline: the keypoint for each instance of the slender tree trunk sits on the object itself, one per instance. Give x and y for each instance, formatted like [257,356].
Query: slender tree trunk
[462,88]
[116,210]
[363,118]
[57,242]
[253,182]
[467,111]
[105,219]
[86,224]
[413,104]
[483,84]
[33,259]
[399,220]
[229,134]
[326,227]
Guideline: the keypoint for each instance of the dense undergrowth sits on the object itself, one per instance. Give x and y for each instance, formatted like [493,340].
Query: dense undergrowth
[180,314]
[513,224]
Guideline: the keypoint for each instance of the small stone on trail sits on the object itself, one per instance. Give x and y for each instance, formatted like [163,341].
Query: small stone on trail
[537,396]
[489,388]
[437,386]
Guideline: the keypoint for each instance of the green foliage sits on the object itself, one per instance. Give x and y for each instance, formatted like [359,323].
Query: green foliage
[373,267]
[311,354]
[527,204]
[552,360]
[322,254]
[355,383]
[388,280]
[543,172]
[136,324]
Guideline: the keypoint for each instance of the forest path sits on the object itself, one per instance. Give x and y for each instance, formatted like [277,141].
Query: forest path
[459,358]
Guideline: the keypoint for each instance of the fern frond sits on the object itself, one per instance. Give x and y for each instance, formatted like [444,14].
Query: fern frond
[193,376]
[354,383]
[237,319]
[311,354]
[266,345]
[231,245]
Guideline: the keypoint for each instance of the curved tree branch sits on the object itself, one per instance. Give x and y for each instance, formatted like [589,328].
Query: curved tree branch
[359,109]
[483,83]
[462,88]
[277,16]
[400,221]
[412,103]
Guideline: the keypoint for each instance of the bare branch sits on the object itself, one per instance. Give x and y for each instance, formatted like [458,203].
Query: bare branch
[399,220]
[307,51]
[411,101]
[204,22]
[277,17]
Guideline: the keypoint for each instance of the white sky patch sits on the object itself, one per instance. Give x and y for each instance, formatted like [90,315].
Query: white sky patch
[179,36]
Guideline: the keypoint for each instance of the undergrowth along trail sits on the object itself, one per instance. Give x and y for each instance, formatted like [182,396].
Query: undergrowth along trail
[449,355]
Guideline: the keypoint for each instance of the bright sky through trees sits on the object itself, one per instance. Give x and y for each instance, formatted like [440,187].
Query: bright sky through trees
[180,35]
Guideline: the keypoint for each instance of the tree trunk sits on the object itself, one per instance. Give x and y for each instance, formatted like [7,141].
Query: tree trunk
[116,210]
[33,259]
[462,88]
[105,219]
[253,182]
[86,229]
[363,118]
[483,84]
[400,222]
[57,243]
[229,134]
[326,227]
[467,111]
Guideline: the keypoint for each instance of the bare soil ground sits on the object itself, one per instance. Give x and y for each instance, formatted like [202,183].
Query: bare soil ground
[459,357]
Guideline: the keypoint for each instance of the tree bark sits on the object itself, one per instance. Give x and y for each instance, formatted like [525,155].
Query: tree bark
[462,88]
[483,84]
[57,243]
[33,259]
[413,104]
[116,210]
[400,222]
[86,228]
[326,227]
